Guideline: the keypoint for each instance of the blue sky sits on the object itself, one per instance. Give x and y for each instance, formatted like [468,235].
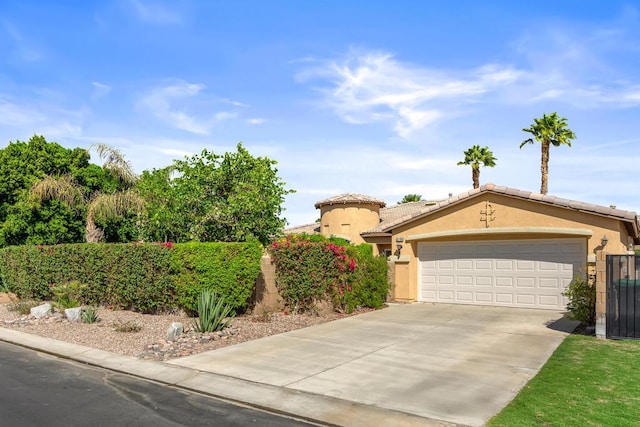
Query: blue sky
[373,97]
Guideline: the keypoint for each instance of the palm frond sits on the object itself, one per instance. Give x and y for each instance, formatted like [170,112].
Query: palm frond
[115,163]
[115,205]
[62,188]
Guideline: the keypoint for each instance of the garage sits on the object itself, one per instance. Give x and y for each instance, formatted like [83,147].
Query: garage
[529,273]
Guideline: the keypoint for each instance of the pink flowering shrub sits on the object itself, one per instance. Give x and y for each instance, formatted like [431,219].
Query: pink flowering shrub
[312,269]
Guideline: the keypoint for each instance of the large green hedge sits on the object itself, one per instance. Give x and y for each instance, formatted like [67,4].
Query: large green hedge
[142,277]
[231,269]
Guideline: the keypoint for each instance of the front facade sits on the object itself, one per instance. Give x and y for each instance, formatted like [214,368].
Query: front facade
[490,246]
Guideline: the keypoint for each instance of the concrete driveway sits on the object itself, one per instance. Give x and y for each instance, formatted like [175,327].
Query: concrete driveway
[455,363]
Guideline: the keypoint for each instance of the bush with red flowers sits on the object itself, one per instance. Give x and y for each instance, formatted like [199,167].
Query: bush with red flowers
[311,270]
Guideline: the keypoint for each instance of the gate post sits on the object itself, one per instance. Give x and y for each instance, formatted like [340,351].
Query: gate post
[601,294]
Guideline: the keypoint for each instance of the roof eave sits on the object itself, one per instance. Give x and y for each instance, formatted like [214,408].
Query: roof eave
[635,222]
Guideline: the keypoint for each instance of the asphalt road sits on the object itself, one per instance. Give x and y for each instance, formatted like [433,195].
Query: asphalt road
[41,390]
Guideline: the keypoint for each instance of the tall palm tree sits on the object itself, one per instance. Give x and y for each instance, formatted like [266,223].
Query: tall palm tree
[100,206]
[477,156]
[549,130]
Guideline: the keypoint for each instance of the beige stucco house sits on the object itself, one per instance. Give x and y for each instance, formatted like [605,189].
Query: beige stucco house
[490,246]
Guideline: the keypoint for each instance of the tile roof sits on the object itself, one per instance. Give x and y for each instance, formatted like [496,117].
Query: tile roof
[410,213]
[307,228]
[398,211]
[350,198]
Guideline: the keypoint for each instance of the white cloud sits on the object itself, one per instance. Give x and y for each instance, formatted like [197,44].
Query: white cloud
[375,87]
[100,90]
[12,114]
[256,121]
[174,152]
[58,130]
[175,102]
[26,119]
[581,67]
[155,12]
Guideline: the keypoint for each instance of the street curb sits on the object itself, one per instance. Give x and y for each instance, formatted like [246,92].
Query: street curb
[302,405]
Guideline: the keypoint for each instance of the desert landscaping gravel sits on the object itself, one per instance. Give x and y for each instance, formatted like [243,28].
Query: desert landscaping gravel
[150,341]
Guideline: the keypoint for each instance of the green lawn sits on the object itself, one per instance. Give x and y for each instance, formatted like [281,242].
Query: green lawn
[587,382]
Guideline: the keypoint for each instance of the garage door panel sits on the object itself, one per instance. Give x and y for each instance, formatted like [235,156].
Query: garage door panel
[504,264]
[444,279]
[464,296]
[484,281]
[525,282]
[567,267]
[429,279]
[524,273]
[446,264]
[430,265]
[446,296]
[464,280]
[504,282]
[483,264]
[526,299]
[429,295]
[502,298]
[549,266]
[464,264]
[549,283]
[484,297]
[550,300]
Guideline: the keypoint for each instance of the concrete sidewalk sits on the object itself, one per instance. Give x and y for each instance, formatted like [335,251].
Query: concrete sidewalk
[406,365]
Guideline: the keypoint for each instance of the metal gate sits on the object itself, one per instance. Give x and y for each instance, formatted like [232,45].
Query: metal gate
[623,296]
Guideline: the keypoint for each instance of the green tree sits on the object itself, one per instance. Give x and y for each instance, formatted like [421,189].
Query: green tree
[164,219]
[549,130]
[113,209]
[408,198]
[477,156]
[25,220]
[211,197]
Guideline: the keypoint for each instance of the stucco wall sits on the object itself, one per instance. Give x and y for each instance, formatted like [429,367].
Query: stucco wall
[348,220]
[503,212]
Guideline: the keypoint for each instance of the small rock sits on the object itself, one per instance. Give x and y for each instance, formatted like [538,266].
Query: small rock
[73,314]
[42,310]
[174,331]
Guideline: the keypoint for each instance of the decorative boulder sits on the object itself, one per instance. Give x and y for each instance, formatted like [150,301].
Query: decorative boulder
[43,310]
[174,331]
[73,314]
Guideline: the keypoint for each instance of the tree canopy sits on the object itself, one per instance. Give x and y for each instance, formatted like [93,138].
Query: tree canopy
[24,219]
[477,156]
[408,198]
[211,197]
[50,194]
[550,129]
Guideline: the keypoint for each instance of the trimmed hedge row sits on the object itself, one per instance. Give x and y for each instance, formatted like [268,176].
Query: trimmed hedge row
[230,269]
[141,277]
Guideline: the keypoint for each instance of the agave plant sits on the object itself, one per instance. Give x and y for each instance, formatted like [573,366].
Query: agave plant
[214,314]
[90,315]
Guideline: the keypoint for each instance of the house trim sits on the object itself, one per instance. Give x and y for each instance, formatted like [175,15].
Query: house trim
[501,231]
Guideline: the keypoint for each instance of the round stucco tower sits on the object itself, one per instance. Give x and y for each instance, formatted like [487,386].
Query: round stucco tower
[348,215]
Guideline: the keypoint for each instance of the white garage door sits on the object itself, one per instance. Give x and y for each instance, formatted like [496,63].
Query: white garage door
[520,273]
